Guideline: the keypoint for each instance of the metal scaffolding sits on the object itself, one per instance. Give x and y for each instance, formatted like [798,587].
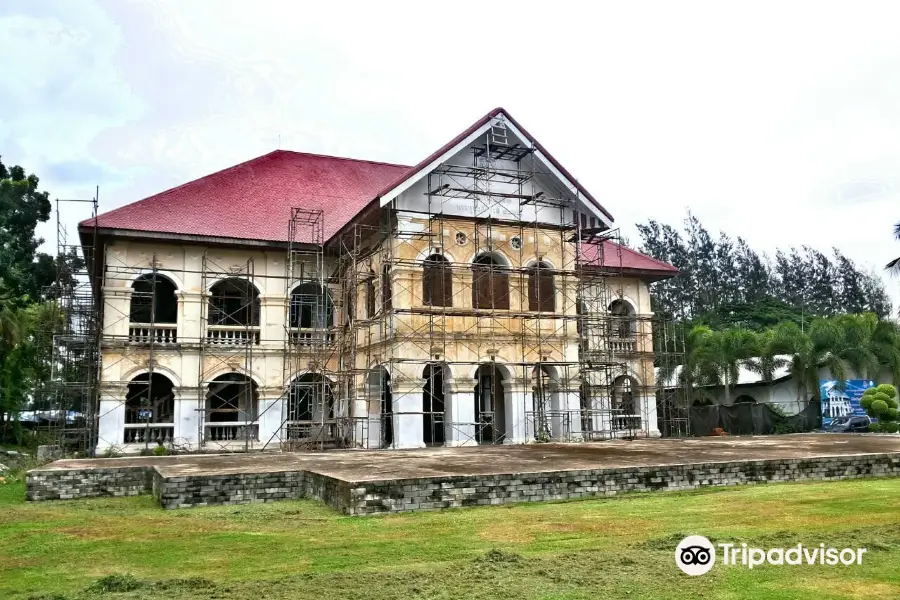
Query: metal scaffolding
[494,294]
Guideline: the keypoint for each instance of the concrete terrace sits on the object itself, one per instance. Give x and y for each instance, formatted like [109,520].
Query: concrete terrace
[350,465]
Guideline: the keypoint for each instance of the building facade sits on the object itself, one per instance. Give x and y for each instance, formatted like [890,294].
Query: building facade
[299,301]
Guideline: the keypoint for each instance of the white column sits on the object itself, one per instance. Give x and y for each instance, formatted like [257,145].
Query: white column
[648,416]
[111,424]
[271,319]
[408,430]
[570,401]
[460,429]
[270,418]
[519,403]
[190,311]
[187,418]
[116,311]
[559,422]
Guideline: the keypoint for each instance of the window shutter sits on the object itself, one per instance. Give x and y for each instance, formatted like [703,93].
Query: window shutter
[446,285]
[533,290]
[500,290]
[546,292]
[428,277]
[481,287]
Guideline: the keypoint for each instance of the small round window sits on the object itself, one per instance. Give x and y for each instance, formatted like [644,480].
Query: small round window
[516,242]
[461,238]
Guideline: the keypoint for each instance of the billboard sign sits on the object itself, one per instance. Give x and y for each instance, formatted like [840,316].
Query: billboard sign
[842,402]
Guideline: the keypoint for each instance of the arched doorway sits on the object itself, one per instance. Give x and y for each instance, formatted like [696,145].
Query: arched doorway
[434,406]
[542,395]
[310,409]
[625,416]
[490,404]
[150,410]
[381,409]
[232,402]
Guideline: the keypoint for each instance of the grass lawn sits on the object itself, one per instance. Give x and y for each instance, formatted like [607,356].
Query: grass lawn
[611,548]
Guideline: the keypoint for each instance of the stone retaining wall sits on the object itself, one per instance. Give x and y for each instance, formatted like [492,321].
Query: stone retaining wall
[66,484]
[434,493]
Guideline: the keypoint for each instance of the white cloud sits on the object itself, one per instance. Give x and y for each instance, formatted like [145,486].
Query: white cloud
[774,121]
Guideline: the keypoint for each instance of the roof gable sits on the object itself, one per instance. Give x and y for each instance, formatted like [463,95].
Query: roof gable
[467,137]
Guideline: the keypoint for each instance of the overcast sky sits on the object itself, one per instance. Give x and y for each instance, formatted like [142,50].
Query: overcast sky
[778,121]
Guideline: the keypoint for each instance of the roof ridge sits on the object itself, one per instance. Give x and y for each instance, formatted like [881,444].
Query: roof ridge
[348,158]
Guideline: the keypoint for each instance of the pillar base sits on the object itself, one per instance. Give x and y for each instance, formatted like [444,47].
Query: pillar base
[459,443]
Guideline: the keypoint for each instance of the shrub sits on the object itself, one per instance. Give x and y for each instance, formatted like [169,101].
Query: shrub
[160,451]
[887,389]
[893,403]
[111,452]
[878,408]
[890,414]
[866,400]
[875,427]
[891,427]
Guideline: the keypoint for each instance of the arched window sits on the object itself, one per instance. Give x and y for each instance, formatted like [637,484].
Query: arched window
[437,281]
[311,307]
[234,301]
[149,402]
[232,397]
[745,399]
[490,283]
[541,289]
[153,300]
[623,323]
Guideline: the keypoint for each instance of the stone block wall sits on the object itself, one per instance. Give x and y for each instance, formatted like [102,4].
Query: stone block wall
[67,484]
[241,488]
[434,493]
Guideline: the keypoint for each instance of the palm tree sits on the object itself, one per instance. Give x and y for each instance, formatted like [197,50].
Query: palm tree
[723,353]
[894,265]
[858,343]
[768,361]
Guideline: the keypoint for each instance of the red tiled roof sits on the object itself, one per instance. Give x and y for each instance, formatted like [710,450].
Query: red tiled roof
[610,255]
[253,200]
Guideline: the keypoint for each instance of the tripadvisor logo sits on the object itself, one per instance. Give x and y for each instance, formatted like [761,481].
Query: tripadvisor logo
[696,555]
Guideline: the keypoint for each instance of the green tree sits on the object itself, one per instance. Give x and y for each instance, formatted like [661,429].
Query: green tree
[23,271]
[723,352]
[767,361]
[894,265]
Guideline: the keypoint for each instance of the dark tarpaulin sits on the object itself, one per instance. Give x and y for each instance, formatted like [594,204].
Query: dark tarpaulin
[752,419]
